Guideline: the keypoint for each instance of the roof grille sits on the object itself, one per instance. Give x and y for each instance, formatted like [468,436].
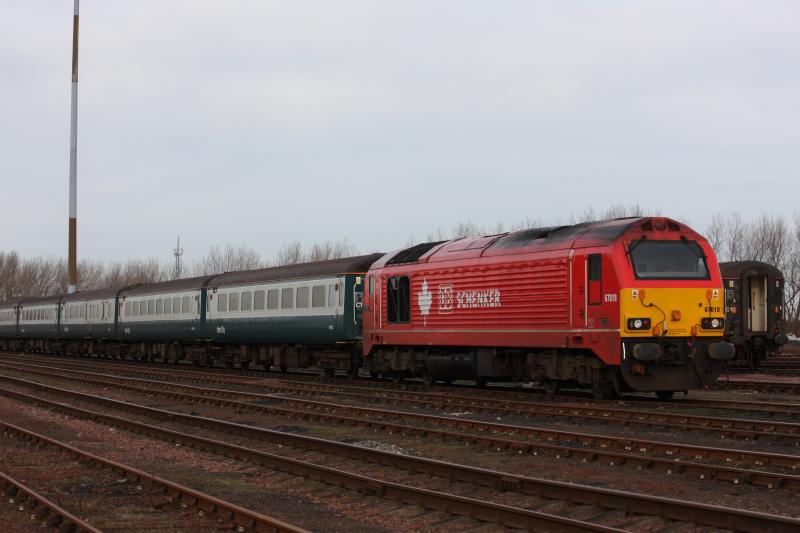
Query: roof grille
[412,254]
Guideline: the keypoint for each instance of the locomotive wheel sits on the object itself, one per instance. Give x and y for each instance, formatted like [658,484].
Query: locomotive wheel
[352,372]
[373,374]
[551,387]
[664,394]
[482,382]
[329,372]
[397,377]
[427,379]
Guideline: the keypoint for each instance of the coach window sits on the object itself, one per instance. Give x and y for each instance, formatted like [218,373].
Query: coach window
[186,305]
[259,300]
[168,306]
[331,295]
[176,305]
[287,298]
[398,299]
[272,299]
[127,309]
[595,276]
[233,301]
[247,301]
[159,306]
[302,297]
[222,303]
[318,296]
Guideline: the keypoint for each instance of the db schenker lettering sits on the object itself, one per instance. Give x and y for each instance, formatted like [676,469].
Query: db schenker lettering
[478,298]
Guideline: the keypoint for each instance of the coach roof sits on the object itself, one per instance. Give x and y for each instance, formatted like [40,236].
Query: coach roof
[175,285]
[332,267]
[735,269]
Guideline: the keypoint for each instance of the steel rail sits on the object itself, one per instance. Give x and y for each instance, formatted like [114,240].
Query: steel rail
[668,508]
[705,470]
[43,507]
[488,435]
[242,517]
[223,377]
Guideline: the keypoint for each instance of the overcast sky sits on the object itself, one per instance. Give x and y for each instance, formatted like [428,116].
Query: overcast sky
[260,122]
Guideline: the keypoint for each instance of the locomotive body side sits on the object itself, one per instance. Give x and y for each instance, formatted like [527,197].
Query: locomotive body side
[551,304]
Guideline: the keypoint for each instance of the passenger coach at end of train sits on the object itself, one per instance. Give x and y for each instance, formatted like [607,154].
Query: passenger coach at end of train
[754,309]
[624,305]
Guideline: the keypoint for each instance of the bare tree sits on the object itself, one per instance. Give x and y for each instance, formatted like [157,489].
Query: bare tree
[227,259]
[770,239]
[290,253]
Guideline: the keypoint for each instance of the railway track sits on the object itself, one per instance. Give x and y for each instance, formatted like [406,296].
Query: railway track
[244,519]
[726,427]
[699,461]
[760,385]
[40,508]
[500,396]
[607,501]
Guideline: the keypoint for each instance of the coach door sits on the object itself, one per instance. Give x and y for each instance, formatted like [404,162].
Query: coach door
[758,303]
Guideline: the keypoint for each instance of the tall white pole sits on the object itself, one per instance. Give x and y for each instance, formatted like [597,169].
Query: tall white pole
[72,260]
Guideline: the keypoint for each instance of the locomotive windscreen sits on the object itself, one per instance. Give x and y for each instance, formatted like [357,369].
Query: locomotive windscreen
[668,260]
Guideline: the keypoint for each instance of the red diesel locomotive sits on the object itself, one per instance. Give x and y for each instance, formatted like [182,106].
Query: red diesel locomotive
[631,304]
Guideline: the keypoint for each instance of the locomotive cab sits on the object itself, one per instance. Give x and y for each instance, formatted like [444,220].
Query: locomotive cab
[671,312]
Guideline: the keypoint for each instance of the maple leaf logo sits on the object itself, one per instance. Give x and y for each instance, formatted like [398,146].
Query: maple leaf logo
[425,298]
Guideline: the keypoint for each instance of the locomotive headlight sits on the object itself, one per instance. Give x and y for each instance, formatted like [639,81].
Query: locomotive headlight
[638,323]
[712,323]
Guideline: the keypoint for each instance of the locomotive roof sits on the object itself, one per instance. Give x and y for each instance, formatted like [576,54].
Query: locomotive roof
[736,269]
[330,267]
[553,237]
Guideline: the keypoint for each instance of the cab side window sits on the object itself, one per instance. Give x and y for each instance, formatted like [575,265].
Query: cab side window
[595,275]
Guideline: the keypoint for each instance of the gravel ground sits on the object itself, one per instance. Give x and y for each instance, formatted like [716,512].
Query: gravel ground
[90,492]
